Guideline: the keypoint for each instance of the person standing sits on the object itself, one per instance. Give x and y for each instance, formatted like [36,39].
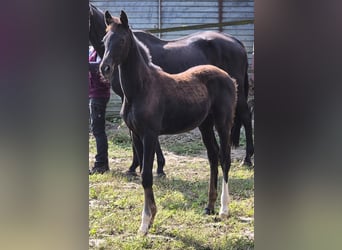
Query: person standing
[99,94]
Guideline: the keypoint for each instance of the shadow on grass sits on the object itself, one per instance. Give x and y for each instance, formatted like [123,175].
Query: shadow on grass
[194,193]
[190,242]
[176,194]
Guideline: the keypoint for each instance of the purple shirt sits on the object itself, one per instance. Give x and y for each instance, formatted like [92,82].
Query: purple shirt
[98,87]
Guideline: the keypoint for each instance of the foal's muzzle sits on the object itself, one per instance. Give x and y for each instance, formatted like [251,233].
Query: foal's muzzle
[105,70]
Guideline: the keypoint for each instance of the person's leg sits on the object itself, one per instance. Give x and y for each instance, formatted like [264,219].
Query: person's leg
[97,108]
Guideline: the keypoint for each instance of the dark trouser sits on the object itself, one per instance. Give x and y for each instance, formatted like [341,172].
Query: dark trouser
[97,108]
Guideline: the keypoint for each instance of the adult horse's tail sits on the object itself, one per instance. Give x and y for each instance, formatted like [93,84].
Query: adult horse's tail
[235,134]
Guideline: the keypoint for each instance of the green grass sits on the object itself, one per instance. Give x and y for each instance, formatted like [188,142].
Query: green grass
[115,202]
[189,148]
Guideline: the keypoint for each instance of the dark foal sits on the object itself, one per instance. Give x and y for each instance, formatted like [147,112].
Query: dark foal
[97,29]
[156,102]
[204,47]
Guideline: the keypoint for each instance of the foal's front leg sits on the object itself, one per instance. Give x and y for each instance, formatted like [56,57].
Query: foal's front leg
[150,208]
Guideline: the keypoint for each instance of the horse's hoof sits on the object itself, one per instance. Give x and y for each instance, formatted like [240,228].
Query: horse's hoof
[131,173]
[248,164]
[161,175]
[208,211]
[142,232]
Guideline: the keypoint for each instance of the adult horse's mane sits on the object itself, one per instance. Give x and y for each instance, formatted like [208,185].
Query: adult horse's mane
[97,29]
[145,52]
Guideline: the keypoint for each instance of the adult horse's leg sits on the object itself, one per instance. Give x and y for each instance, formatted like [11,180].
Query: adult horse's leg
[243,116]
[136,161]
[246,119]
[150,208]
[160,161]
[235,135]
[208,137]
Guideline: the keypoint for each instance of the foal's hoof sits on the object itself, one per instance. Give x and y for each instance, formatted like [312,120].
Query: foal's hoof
[142,232]
[223,216]
[208,211]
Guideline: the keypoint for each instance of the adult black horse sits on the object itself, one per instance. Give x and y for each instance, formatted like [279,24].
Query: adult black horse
[208,47]
[156,102]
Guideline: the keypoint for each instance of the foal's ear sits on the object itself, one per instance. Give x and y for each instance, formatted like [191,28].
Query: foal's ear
[108,18]
[124,19]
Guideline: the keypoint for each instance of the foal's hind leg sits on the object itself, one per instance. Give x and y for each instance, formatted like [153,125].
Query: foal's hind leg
[208,137]
[225,161]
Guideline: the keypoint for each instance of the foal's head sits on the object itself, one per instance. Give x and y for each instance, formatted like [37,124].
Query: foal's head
[117,42]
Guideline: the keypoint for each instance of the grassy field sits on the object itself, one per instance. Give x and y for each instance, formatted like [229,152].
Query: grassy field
[115,200]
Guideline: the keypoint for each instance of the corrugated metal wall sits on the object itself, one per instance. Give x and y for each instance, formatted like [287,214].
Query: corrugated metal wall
[179,13]
[142,14]
[154,14]
[234,10]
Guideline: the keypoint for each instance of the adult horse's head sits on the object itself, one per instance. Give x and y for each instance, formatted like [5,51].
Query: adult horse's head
[90,13]
[116,42]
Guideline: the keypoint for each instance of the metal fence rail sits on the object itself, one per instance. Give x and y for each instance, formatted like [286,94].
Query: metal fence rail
[201,26]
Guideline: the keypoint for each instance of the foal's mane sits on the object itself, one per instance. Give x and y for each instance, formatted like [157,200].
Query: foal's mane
[144,51]
[142,48]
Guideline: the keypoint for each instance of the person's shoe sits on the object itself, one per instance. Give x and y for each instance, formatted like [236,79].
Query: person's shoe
[98,170]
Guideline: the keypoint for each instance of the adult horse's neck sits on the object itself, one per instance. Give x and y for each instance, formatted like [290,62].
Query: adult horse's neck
[148,39]
[135,69]
[97,30]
